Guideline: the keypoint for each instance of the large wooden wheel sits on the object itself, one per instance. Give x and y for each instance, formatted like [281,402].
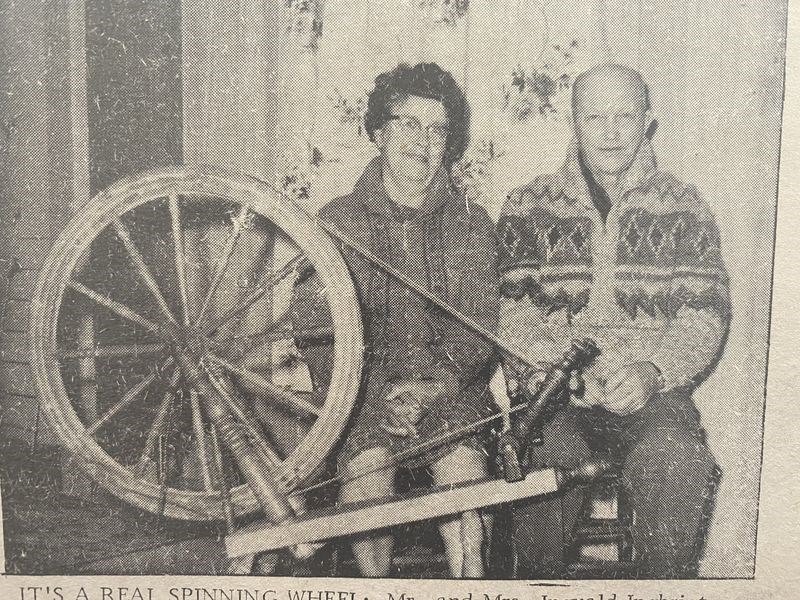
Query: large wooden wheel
[171,287]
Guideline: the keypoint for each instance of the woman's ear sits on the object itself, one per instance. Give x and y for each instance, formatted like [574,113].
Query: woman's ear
[380,138]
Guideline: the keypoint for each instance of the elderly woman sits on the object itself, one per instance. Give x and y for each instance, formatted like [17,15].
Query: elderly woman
[425,373]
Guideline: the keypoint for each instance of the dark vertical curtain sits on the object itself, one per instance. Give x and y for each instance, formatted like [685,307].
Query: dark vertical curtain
[133,86]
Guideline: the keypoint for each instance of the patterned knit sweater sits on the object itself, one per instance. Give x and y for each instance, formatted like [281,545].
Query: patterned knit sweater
[647,283]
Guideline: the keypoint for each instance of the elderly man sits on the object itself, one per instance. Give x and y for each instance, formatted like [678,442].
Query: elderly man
[611,248]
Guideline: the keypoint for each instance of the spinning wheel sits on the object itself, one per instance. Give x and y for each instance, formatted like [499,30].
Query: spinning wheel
[162,342]
[168,298]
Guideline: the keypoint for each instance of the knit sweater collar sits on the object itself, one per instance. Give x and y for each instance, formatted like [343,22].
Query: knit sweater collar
[638,174]
[370,190]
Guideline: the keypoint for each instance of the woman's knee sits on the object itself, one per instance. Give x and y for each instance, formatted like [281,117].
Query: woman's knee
[462,464]
[373,482]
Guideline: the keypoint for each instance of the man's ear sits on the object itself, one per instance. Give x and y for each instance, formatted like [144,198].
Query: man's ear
[652,127]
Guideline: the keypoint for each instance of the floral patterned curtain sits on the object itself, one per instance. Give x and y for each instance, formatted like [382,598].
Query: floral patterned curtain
[514,58]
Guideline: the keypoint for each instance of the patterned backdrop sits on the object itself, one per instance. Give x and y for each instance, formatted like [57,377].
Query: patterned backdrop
[515,60]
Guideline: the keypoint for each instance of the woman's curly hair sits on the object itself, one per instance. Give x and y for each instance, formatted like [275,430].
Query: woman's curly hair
[427,80]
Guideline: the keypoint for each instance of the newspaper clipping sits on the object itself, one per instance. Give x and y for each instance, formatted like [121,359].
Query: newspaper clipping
[397,300]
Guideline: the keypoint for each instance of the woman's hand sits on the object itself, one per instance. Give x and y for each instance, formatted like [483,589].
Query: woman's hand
[407,401]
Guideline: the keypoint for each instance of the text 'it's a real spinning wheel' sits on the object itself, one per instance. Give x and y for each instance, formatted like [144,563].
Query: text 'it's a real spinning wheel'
[160,329]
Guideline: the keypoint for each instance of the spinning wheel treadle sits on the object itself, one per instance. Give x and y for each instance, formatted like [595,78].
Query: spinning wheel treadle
[167,297]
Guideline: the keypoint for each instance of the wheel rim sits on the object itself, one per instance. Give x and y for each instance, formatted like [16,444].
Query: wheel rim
[101,214]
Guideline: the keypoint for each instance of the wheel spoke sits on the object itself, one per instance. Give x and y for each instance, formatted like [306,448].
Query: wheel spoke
[164,468]
[239,224]
[180,256]
[267,284]
[127,399]
[285,397]
[227,506]
[113,351]
[142,269]
[157,427]
[200,435]
[118,308]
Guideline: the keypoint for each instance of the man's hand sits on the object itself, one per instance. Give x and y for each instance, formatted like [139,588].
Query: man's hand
[594,393]
[630,388]
[407,401]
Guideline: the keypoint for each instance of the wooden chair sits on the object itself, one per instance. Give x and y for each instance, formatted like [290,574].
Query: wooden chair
[601,545]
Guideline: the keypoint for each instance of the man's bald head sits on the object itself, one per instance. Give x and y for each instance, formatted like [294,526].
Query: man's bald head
[607,75]
[610,114]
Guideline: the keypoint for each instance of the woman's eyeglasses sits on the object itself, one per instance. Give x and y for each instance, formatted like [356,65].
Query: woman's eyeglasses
[411,127]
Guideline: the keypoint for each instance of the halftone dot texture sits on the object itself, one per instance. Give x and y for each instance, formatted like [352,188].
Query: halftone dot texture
[278,91]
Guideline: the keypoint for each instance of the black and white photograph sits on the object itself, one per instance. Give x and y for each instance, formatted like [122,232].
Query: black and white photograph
[396,289]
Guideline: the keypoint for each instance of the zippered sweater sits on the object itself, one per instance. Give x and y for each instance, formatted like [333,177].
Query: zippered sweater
[647,283]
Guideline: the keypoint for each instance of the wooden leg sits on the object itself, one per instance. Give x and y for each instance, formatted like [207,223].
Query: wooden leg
[74,480]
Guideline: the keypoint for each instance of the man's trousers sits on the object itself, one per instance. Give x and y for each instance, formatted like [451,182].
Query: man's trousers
[665,466]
